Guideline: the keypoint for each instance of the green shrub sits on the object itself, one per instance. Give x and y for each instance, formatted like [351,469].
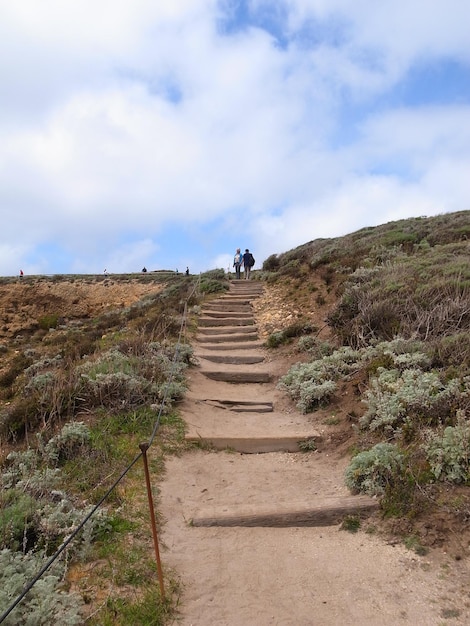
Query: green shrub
[48,321]
[16,517]
[317,348]
[15,367]
[284,336]
[272,263]
[18,417]
[448,453]
[276,339]
[373,471]
[351,523]
[208,285]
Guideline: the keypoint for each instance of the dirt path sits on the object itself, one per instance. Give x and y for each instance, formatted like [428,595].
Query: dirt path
[277,565]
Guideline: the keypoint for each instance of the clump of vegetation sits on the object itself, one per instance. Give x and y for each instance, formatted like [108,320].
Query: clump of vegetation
[123,371]
[308,445]
[46,322]
[374,471]
[402,324]
[280,337]
[425,294]
[47,602]
[448,452]
[351,523]
[317,348]
[314,384]
[213,281]
[272,263]
[36,513]
[413,543]
[396,398]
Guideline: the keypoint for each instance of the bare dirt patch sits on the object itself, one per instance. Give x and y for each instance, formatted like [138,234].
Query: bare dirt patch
[25,302]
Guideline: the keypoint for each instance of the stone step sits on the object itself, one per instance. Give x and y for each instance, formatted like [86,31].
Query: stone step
[325,512]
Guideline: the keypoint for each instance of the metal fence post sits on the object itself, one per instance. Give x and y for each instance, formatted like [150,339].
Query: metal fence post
[144,447]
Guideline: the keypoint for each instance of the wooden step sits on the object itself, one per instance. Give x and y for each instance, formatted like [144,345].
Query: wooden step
[227,346]
[326,512]
[250,445]
[227,314]
[234,359]
[224,306]
[226,321]
[232,338]
[238,377]
[217,330]
[241,406]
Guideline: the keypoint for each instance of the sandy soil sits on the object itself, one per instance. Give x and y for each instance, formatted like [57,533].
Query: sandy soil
[297,575]
[24,302]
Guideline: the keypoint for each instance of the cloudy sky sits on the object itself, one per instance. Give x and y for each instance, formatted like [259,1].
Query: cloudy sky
[166,133]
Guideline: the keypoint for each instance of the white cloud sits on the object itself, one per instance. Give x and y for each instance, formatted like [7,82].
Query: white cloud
[120,119]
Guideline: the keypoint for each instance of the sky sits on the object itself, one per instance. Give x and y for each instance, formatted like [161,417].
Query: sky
[168,133]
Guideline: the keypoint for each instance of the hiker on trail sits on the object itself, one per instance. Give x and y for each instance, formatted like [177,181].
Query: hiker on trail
[21,274]
[237,262]
[144,270]
[248,262]
[187,271]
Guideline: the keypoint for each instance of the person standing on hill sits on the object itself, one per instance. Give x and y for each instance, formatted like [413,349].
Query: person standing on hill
[248,262]
[237,262]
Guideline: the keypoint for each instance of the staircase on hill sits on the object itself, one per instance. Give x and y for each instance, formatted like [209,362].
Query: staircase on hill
[232,408]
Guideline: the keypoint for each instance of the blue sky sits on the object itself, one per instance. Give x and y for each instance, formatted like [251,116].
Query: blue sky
[169,133]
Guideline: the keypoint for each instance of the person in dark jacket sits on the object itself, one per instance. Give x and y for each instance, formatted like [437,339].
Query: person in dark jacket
[248,262]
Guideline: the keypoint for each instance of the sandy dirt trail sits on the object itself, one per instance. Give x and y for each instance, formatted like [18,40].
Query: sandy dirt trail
[283,575]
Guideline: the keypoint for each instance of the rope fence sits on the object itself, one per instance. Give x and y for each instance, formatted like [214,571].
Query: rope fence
[144,447]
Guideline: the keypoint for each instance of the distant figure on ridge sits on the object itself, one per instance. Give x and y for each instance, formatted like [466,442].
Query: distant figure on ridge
[144,270]
[21,274]
[187,271]
[248,262]
[237,262]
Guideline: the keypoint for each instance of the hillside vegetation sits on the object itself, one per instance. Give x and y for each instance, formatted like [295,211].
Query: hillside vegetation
[91,365]
[400,334]
[89,370]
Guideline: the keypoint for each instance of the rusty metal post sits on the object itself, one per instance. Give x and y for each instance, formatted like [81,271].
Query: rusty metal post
[144,447]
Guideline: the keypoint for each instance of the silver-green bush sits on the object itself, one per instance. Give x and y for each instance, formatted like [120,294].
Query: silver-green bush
[371,471]
[395,395]
[448,452]
[46,603]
